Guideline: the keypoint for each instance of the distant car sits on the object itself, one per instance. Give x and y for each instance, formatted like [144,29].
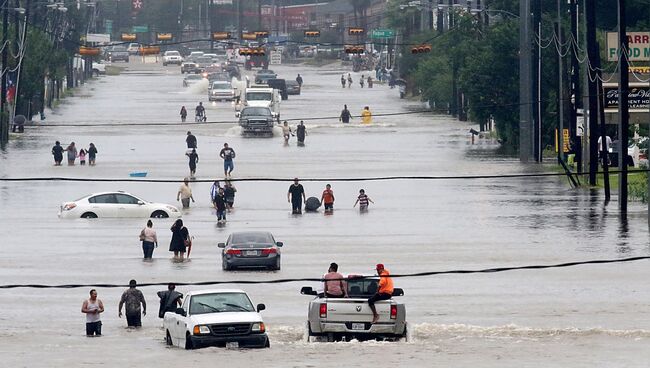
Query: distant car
[251,249]
[133,48]
[99,69]
[293,88]
[192,79]
[224,318]
[115,204]
[117,53]
[172,57]
[264,75]
[203,62]
[194,55]
[189,67]
[221,90]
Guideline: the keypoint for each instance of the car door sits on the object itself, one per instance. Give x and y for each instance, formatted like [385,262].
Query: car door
[130,206]
[103,205]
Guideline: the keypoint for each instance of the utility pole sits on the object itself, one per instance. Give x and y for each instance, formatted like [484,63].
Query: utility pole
[623,124]
[560,88]
[603,131]
[575,85]
[536,135]
[441,20]
[525,92]
[3,89]
[592,54]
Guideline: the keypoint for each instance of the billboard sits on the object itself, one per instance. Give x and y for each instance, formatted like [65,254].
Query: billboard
[638,44]
[638,97]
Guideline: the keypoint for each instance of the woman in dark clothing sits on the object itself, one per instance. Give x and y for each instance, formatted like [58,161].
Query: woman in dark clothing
[180,235]
[92,153]
[194,158]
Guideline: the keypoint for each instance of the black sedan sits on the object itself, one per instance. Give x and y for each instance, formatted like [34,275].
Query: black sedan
[293,88]
[250,249]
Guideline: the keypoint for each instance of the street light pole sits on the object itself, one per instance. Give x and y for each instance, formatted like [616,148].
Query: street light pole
[623,108]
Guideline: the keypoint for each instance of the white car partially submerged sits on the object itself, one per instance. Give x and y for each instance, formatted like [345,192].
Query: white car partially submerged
[115,204]
[223,318]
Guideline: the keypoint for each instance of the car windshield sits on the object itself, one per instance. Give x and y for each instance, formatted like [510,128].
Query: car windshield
[247,239]
[220,86]
[256,111]
[220,302]
[172,53]
[291,83]
[267,71]
[119,48]
[203,59]
[258,96]
[194,77]
[361,287]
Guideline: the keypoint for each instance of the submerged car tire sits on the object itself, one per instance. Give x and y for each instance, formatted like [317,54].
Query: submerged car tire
[188,343]
[159,214]
[224,265]
[268,343]
[278,264]
[168,339]
[89,215]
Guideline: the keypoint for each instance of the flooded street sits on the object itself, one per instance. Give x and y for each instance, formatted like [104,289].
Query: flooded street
[572,317]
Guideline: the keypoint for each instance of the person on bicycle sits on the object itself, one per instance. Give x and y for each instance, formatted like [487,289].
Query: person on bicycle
[200,112]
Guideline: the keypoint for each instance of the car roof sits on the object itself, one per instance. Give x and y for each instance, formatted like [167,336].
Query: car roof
[215,291]
[115,192]
[250,232]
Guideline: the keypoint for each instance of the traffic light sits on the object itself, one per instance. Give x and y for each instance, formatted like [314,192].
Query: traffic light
[249,36]
[356,31]
[164,36]
[128,37]
[261,34]
[221,36]
[355,49]
[421,49]
[149,50]
[255,51]
[312,33]
[88,51]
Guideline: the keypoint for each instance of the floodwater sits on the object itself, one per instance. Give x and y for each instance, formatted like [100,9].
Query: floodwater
[585,316]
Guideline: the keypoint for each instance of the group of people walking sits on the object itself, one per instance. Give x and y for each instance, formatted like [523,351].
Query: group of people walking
[72,154]
[134,304]
[296,196]
[346,115]
[180,242]
[362,81]
[199,113]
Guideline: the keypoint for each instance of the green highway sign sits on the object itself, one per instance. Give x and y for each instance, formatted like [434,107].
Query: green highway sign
[140,29]
[382,33]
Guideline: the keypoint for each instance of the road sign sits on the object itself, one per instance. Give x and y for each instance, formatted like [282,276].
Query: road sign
[276,57]
[638,46]
[140,29]
[382,33]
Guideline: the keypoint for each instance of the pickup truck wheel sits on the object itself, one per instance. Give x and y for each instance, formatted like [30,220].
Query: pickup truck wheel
[188,342]
[168,339]
[89,215]
[405,336]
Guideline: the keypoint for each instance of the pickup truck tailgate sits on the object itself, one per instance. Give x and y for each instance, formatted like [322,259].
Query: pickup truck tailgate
[356,310]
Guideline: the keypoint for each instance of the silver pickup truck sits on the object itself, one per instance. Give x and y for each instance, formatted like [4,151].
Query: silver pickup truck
[339,319]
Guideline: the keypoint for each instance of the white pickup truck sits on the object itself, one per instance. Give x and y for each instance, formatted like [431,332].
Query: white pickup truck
[338,319]
[224,318]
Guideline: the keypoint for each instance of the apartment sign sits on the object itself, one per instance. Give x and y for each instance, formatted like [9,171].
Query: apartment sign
[638,46]
[638,97]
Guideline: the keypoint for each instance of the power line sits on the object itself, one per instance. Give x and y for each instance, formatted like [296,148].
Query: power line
[270,179]
[313,279]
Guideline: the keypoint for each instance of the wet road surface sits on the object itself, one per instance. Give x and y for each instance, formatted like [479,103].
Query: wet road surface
[580,316]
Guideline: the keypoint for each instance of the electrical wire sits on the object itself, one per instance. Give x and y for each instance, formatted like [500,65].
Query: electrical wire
[318,279]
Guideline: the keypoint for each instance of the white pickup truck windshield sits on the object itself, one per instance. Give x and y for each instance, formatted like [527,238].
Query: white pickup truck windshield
[220,302]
